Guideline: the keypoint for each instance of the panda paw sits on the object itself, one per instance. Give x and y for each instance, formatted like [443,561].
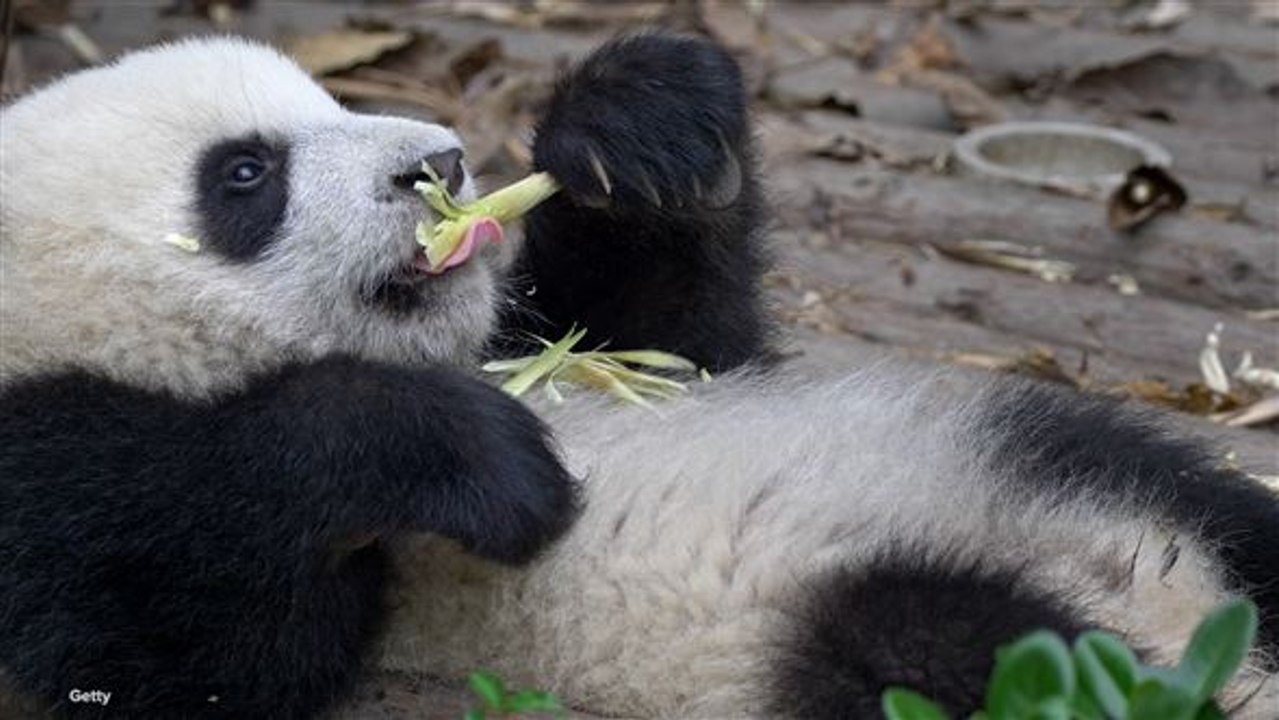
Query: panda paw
[513,496]
[420,450]
[647,122]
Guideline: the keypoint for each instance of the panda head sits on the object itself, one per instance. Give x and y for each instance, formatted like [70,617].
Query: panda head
[304,212]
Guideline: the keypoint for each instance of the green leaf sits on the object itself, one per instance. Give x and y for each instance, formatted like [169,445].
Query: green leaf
[1057,708]
[902,704]
[1107,671]
[1028,673]
[1154,701]
[475,714]
[1159,675]
[533,701]
[1084,707]
[1210,711]
[1218,648]
[489,688]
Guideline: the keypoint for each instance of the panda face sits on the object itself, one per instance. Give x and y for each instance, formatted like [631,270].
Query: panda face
[323,216]
[305,215]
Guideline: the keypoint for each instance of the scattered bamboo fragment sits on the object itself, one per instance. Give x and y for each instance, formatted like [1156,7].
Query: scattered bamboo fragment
[596,369]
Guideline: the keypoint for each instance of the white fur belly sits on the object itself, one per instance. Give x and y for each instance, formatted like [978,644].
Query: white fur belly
[703,524]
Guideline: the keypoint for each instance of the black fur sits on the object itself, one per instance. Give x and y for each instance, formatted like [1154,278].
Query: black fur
[902,621]
[668,256]
[223,558]
[1064,443]
[240,219]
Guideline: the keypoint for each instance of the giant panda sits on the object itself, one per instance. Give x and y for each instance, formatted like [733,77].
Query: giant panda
[233,481]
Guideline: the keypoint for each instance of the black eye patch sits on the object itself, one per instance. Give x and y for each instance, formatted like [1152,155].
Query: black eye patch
[242,191]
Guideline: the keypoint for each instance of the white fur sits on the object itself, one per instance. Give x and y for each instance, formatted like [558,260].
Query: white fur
[702,524]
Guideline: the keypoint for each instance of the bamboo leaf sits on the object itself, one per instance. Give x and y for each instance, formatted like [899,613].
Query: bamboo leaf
[542,365]
[507,366]
[654,358]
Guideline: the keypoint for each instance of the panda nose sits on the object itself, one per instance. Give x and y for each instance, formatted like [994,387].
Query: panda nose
[446,165]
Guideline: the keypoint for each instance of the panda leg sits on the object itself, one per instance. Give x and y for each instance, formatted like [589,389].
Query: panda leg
[655,241]
[224,559]
[903,621]
[1062,444]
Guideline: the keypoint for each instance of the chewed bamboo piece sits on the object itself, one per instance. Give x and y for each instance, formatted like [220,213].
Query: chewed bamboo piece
[449,241]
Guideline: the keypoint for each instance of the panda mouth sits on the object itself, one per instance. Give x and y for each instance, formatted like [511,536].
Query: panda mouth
[401,292]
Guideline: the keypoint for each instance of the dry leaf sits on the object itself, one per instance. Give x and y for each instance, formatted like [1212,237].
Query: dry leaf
[337,50]
[1210,367]
[1221,211]
[1039,363]
[1254,376]
[540,13]
[1261,412]
[1195,398]
[733,24]
[970,105]
[1266,315]
[1126,284]
[1163,16]
[929,49]
[1009,256]
[31,14]
[474,60]
[444,107]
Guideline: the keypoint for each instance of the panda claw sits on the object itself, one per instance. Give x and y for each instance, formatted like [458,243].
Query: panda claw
[646,184]
[729,184]
[600,174]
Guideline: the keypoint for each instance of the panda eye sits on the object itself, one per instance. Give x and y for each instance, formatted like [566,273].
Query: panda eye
[245,173]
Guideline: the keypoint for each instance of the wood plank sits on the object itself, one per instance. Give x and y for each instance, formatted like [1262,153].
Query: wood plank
[1200,261]
[951,305]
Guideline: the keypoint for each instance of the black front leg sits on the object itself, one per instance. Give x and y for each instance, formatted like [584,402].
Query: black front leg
[655,242]
[225,559]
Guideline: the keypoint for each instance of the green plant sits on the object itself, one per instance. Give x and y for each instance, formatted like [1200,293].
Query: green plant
[498,701]
[1039,678]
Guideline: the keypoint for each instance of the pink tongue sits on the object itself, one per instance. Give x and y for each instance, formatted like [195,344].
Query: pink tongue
[481,233]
